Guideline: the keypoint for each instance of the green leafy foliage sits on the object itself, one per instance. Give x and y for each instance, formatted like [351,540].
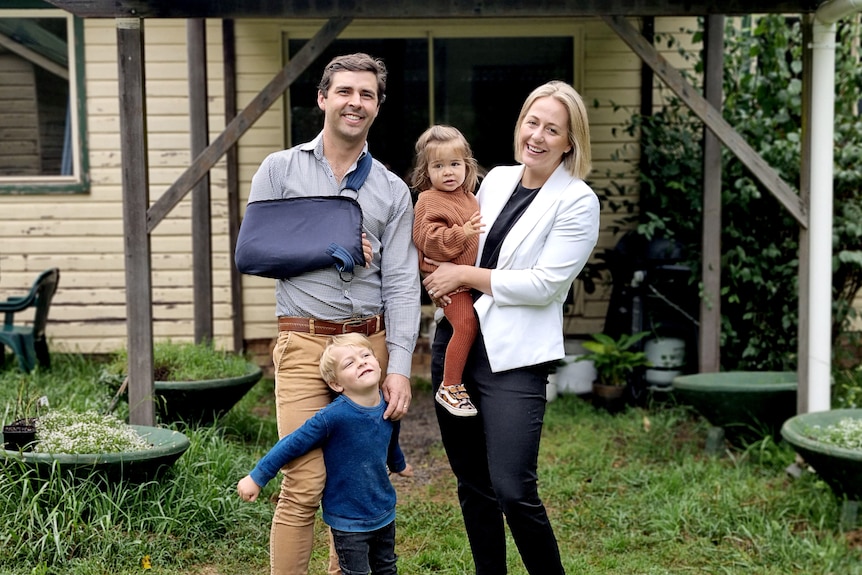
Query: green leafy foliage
[760,240]
[615,359]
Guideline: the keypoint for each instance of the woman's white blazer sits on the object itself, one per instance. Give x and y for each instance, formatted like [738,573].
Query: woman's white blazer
[522,319]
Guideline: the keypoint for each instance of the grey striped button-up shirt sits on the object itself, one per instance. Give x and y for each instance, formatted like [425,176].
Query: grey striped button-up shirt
[390,285]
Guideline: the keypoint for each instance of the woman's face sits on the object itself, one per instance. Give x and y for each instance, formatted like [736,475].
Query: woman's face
[543,139]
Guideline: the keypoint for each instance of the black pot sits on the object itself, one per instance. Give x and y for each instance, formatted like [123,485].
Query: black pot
[611,398]
[19,435]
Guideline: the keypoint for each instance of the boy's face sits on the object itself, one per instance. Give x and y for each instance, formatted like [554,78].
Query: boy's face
[356,370]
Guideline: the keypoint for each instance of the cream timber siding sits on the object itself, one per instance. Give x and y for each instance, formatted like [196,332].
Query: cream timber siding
[83,234]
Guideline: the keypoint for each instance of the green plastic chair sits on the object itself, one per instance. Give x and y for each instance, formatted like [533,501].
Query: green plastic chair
[28,342]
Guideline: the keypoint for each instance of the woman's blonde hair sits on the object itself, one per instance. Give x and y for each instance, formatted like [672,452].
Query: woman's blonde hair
[440,137]
[328,363]
[578,161]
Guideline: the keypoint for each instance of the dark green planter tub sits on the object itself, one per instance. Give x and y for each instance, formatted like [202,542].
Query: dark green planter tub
[202,402]
[747,405]
[839,467]
[133,466]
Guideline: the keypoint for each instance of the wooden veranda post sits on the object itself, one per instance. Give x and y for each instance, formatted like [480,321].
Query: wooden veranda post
[710,303]
[136,199]
[202,272]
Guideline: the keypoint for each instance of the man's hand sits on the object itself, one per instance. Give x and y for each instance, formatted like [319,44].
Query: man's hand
[366,250]
[397,393]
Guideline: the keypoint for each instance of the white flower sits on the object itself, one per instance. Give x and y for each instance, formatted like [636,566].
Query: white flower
[64,431]
[847,433]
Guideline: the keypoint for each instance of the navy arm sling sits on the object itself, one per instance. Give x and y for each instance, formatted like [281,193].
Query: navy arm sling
[284,238]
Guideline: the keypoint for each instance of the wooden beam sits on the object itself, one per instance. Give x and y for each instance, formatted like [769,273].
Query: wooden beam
[759,168]
[240,124]
[136,185]
[202,269]
[804,324]
[710,303]
[34,57]
[422,8]
[232,183]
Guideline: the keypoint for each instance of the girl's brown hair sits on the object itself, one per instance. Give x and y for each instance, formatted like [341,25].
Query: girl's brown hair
[438,137]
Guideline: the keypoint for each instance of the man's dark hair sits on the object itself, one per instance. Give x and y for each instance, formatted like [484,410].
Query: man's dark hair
[358,62]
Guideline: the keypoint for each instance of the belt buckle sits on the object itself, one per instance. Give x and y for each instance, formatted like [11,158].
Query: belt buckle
[356,323]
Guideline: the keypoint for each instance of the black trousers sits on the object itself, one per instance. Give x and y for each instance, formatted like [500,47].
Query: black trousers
[361,553]
[494,456]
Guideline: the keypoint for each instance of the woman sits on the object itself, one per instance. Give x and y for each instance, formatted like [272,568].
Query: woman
[542,224]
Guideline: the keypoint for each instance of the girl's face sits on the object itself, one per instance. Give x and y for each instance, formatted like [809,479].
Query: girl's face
[543,138]
[446,169]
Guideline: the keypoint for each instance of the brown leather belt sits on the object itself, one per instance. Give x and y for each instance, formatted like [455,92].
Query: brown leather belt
[366,326]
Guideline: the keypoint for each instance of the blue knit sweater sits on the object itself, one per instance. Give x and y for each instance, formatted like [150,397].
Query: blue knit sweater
[358,495]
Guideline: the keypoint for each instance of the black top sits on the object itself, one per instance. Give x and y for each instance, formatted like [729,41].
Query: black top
[511,213]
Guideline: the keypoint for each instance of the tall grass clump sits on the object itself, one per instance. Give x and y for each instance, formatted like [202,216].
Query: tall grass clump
[186,361]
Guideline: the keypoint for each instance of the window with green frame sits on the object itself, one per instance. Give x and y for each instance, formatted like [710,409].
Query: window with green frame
[42,100]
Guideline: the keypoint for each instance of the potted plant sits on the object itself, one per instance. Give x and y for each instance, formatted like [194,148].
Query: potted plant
[20,434]
[194,383]
[831,443]
[87,445]
[615,360]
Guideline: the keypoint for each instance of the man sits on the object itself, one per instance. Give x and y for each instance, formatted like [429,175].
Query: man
[380,300]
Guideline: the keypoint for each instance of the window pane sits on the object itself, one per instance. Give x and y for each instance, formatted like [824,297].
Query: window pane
[481,83]
[35,114]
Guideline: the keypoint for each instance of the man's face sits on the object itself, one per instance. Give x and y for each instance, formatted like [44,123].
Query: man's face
[350,106]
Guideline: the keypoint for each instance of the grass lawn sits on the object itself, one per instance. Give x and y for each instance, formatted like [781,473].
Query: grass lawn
[632,494]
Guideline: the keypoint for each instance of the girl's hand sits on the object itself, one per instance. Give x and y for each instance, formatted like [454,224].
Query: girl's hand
[474,226]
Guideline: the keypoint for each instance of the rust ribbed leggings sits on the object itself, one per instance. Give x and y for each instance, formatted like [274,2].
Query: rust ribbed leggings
[465,325]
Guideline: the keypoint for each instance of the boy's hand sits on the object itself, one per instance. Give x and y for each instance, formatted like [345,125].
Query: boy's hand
[474,226]
[406,472]
[248,490]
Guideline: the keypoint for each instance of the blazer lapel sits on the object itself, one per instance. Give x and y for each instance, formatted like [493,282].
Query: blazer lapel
[545,200]
[493,200]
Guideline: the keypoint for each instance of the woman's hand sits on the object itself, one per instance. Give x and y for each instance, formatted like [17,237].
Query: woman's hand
[441,282]
[448,277]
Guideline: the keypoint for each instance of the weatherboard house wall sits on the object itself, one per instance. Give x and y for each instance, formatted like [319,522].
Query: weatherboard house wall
[83,234]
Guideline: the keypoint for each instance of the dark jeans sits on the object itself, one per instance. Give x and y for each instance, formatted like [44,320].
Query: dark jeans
[366,552]
[495,457]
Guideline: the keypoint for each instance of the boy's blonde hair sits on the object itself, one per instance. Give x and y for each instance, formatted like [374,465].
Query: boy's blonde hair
[327,360]
[442,137]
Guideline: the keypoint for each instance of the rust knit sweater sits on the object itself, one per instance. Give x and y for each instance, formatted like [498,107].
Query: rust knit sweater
[438,227]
